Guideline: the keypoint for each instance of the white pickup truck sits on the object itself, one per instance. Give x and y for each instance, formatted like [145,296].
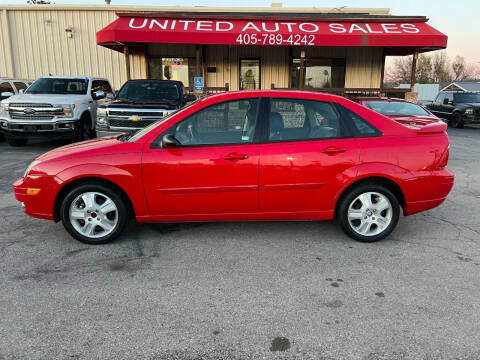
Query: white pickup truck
[54,107]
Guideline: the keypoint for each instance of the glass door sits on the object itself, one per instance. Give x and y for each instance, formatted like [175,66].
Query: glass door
[249,74]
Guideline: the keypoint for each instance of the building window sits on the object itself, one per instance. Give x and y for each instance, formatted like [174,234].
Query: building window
[181,69]
[319,73]
[249,74]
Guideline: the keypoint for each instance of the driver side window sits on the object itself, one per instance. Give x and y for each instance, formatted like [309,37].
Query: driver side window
[230,122]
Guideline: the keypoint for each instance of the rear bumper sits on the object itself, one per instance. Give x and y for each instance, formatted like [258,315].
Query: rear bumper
[40,205]
[426,193]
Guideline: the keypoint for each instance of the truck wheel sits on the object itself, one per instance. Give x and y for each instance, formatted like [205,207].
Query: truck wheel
[94,213]
[368,212]
[17,142]
[457,121]
[83,130]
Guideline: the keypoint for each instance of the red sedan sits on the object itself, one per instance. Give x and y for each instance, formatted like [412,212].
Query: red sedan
[253,155]
[399,110]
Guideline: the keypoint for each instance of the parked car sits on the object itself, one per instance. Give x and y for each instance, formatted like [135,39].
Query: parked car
[10,87]
[399,110]
[457,108]
[138,104]
[54,107]
[251,155]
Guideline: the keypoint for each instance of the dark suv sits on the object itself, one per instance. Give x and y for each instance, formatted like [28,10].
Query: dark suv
[139,103]
[457,108]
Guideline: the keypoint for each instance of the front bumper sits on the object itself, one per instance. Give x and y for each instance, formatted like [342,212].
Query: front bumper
[110,132]
[40,205]
[39,129]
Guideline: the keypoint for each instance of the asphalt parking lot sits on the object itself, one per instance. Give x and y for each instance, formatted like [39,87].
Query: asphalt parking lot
[244,290]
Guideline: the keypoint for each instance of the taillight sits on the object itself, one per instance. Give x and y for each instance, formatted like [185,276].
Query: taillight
[444,158]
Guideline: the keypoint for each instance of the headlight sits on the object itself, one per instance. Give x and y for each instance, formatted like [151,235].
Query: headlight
[4,105]
[65,110]
[32,164]
[469,111]
[101,116]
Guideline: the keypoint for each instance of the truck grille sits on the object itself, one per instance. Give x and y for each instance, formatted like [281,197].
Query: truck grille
[139,113]
[130,124]
[31,111]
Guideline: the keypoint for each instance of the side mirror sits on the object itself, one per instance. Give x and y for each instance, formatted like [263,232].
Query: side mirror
[169,140]
[6,94]
[21,91]
[190,98]
[98,95]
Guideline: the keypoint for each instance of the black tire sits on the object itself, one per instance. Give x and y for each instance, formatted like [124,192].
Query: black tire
[457,121]
[84,130]
[122,211]
[346,200]
[17,142]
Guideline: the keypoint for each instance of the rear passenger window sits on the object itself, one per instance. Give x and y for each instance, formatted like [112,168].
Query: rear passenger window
[294,119]
[361,127]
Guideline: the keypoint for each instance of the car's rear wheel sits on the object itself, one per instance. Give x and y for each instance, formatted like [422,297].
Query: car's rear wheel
[368,212]
[17,142]
[457,121]
[94,213]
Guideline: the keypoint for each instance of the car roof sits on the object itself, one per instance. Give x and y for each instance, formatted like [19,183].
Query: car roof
[155,80]
[71,77]
[300,94]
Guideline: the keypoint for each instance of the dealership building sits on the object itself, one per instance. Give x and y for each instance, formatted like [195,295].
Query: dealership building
[339,50]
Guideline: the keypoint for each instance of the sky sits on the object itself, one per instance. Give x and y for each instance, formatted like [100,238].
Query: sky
[457,19]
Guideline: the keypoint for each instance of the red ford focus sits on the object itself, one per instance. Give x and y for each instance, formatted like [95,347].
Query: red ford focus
[254,155]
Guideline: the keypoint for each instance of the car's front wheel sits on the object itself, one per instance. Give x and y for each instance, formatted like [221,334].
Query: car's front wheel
[94,213]
[457,121]
[368,212]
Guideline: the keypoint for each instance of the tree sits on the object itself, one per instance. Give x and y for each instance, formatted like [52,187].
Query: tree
[440,67]
[459,68]
[424,69]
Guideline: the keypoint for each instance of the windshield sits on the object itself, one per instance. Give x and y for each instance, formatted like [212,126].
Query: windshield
[397,108]
[137,135]
[467,98]
[150,92]
[58,86]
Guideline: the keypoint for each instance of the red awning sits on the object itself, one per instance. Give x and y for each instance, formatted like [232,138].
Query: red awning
[395,35]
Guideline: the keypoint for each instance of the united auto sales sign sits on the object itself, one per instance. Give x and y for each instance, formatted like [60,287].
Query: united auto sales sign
[242,32]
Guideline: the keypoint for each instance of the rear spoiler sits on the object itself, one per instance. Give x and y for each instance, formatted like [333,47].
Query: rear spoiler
[434,128]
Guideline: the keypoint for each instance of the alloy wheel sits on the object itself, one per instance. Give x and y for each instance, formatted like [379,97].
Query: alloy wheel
[93,214]
[370,213]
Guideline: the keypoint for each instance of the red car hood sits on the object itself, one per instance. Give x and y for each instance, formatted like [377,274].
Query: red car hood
[82,147]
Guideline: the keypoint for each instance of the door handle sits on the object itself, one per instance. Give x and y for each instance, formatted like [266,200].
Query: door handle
[235,156]
[333,150]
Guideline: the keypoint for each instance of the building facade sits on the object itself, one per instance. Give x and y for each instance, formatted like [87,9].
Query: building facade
[229,48]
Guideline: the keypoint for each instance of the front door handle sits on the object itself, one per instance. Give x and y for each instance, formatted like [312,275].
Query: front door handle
[235,156]
[333,150]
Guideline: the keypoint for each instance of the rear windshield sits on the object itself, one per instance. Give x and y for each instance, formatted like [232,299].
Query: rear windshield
[59,86]
[467,98]
[396,108]
[150,92]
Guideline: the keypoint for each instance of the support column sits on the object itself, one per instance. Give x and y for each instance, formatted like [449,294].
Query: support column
[414,70]
[127,61]
[301,81]
[198,61]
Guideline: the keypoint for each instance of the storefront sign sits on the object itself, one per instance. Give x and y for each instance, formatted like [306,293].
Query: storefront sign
[268,32]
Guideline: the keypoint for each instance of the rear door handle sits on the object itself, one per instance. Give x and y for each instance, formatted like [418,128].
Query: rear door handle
[333,150]
[235,156]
